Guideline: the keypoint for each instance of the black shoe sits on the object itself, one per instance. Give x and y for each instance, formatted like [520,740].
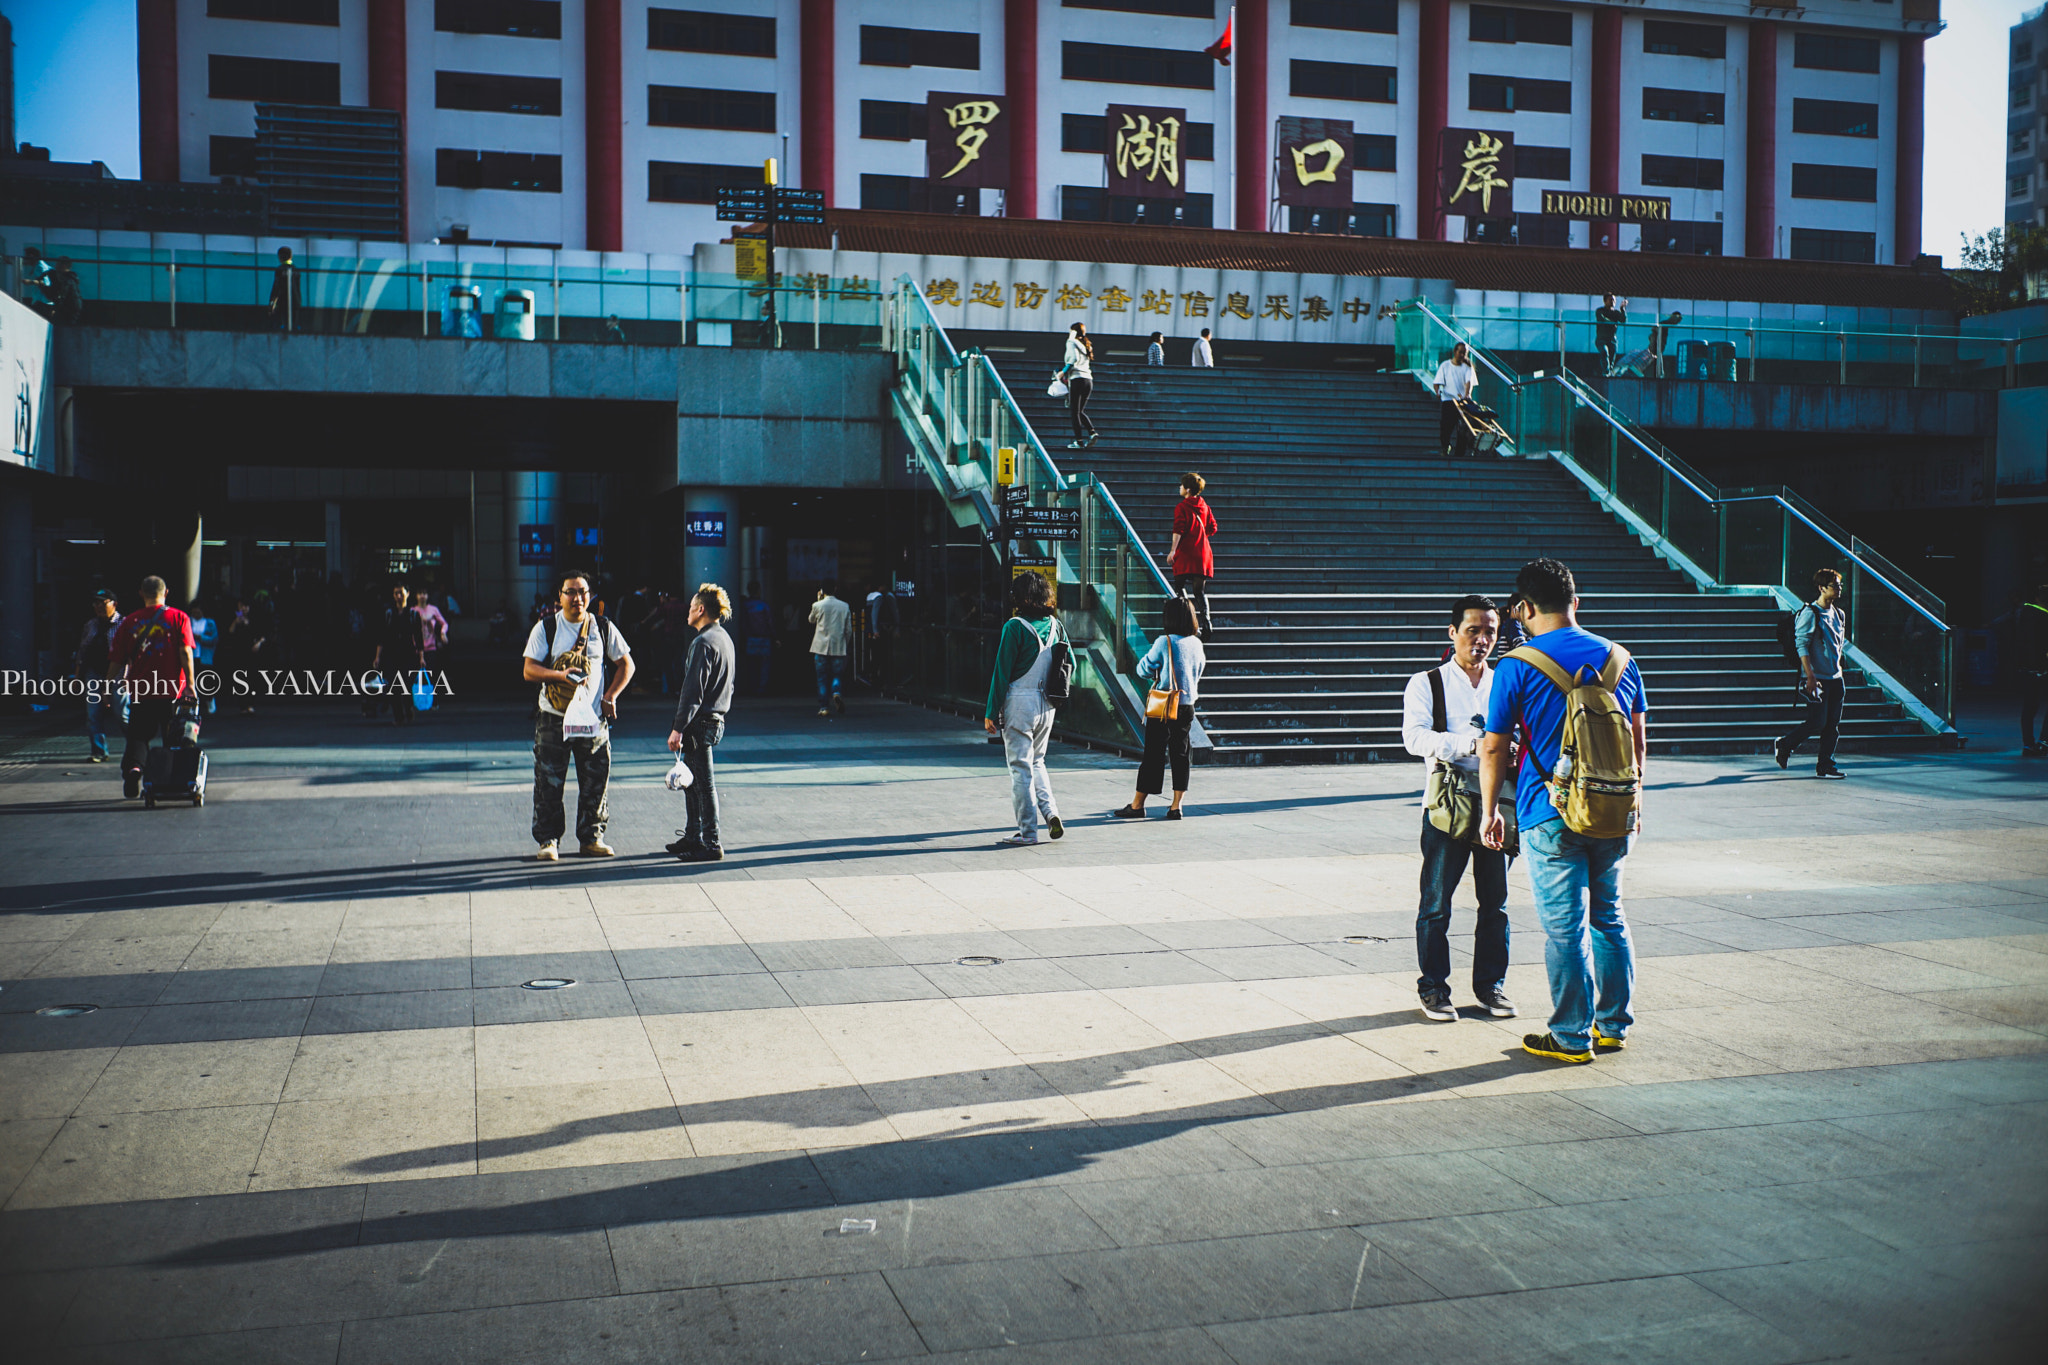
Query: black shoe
[1173,812]
[131,785]
[1093,437]
[684,847]
[1437,1005]
[1831,772]
[1781,753]
[839,703]
[706,854]
[1127,813]
[1496,1003]
[2028,751]
[1546,1045]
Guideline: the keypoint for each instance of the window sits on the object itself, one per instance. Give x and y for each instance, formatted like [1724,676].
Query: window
[1187,9]
[1684,106]
[1674,172]
[1685,40]
[505,18]
[1508,94]
[458,168]
[1341,81]
[2021,141]
[270,78]
[1834,52]
[921,47]
[1362,220]
[689,106]
[891,121]
[1523,229]
[1542,163]
[690,182]
[2022,96]
[1855,183]
[1088,204]
[915,194]
[1375,152]
[231,156]
[1819,244]
[1088,133]
[2023,50]
[326,13]
[497,94]
[1492,24]
[2016,186]
[1136,66]
[1837,118]
[696,30]
[1359,16]
[1683,239]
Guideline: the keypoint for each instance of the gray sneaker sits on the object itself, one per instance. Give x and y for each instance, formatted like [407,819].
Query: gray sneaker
[1018,841]
[1497,1004]
[1437,1005]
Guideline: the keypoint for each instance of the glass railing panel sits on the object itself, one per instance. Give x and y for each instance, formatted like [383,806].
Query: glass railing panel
[1693,524]
[1639,483]
[1903,642]
[1806,552]
[1754,534]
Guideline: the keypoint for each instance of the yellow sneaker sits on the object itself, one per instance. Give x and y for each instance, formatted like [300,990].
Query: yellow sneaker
[547,853]
[1602,1043]
[1546,1045]
[597,848]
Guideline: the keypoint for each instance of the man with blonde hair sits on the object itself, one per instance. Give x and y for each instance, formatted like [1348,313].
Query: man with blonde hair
[701,703]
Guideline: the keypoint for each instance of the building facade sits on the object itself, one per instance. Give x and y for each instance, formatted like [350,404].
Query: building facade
[1777,131]
[2026,161]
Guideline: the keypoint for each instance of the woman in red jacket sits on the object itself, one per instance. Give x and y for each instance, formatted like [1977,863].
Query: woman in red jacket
[1194,564]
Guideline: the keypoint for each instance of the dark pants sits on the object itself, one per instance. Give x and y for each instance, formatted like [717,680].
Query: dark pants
[700,798]
[1078,390]
[1443,867]
[831,671]
[2033,690]
[551,774]
[1447,425]
[1166,739]
[398,694]
[1195,588]
[1823,718]
[1607,352]
[147,719]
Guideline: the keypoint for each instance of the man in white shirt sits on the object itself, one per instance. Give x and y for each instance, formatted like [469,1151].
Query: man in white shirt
[1204,358]
[831,642]
[1455,379]
[1443,716]
[574,629]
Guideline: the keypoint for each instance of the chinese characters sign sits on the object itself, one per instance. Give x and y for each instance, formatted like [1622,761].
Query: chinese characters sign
[967,141]
[1313,157]
[1143,152]
[704,528]
[1476,172]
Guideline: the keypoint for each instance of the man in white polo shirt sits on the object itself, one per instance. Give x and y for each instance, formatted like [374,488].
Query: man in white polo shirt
[1455,379]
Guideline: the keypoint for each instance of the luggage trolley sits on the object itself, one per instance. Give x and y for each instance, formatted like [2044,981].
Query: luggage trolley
[1480,432]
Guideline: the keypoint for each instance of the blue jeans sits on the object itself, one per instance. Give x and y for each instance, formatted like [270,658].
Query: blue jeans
[104,714]
[1443,866]
[1566,870]
[831,670]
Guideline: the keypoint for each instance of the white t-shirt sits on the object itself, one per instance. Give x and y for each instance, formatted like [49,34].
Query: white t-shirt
[1203,359]
[1455,381]
[554,634]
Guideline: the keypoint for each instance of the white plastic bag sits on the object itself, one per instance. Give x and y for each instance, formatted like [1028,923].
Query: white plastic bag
[679,776]
[1056,389]
[580,720]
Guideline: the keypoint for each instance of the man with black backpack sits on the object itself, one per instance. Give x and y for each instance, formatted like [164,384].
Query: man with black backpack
[1818,632]
[1576,702]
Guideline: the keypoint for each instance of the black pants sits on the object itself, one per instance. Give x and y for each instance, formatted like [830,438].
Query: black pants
[147,719]
[1195,588]
[1607,352]
[1166,739]
[2033,691]
[1823,718]
[1443,867]
[700,798]
[1450,428]
[1078,389]
[551,755]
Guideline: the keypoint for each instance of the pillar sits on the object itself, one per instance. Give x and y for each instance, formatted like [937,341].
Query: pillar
[1432,113]
[1912,150]
[718,564]
[17,580]
[816,45]
[1020,84]
[337,552]
[1606,170]
[1253,137]
[603,128]
[156,69]
[1760,153]
[387,78]
[187,548]
[532,498]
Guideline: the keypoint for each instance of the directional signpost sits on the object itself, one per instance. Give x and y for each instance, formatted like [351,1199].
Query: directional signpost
[770,204]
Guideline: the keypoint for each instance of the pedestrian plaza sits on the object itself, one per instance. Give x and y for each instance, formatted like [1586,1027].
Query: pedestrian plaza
[875,1089]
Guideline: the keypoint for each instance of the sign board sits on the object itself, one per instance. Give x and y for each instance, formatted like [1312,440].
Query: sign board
[1476,172]
[536,544]
[1606,208]
[25,344]
[704,528]
[1006,465]
[1313,162]
[750,258]
[967,141]
[1142,151]
[1045,518]
[587,537]
[1044,568]
[753,204]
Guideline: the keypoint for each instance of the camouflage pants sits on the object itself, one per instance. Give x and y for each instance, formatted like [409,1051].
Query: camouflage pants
[551,773]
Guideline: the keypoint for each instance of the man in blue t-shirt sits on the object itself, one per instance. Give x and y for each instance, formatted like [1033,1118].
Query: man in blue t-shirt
[1565,869]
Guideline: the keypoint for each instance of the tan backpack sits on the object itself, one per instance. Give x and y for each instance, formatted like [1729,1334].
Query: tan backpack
[1596,787]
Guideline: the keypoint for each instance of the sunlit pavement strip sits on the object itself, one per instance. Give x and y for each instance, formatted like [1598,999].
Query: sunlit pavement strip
[1190,1113]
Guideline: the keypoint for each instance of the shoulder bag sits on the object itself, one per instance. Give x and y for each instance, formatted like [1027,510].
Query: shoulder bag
[1451,799]
[1163,703]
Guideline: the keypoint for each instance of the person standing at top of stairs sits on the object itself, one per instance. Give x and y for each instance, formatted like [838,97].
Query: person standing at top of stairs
[1076,370]
[1192,558]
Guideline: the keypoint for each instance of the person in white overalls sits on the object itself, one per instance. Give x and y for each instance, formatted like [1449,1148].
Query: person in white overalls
[1017,708]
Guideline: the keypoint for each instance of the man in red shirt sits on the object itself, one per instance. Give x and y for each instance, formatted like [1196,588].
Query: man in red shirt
[151,656]
[1194,563]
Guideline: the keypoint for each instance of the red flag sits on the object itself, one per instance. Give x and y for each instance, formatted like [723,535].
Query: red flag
[1220,49]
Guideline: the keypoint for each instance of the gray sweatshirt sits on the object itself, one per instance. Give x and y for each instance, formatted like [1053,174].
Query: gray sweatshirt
[1818,636]
[707,677]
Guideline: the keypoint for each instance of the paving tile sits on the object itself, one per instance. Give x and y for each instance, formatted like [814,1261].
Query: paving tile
[110,991]
[221,1020]
[1265,963]
[103,1028]
[1928,1209]
[380,978]
[369,1064]
[378,1013]
[691,994]
[697,959]
[1158,968]
[1744,1101]
[1186,1344]
[242,983]
[171,1154]
[825,954]
[513,968]
[1086,941]
[166,1231]
[1036,976]
[559,1052]
[349,1141]
[584,1000]
[297,1345]
[49,1084]
[200,1075]
[532,1127]
[857,985]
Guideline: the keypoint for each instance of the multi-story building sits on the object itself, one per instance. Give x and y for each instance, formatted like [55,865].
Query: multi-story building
[1774,130]
[2026,157]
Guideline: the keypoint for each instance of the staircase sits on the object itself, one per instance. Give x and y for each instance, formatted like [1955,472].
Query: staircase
[1344,538]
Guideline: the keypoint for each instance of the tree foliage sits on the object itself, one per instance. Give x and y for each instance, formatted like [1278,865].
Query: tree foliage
[1995,266]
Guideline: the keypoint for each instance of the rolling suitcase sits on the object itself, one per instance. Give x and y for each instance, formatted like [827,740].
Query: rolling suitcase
[174,773]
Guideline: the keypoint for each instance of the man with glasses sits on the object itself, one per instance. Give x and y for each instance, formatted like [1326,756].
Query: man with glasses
[568,651]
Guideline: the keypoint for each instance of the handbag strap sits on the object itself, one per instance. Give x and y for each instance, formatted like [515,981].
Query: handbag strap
[1439,713]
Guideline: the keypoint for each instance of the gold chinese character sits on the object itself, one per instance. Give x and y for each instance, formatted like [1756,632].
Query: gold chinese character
[1240,304]
[1315,308]
[1153,148]
[971,117]
[990,294]
[1196,305]
[858,287]
[1030,295]
[1071,296]
[812,283]
[942,291]
[1115,300]
[1481,171]
[1276,307]
[1330,148]
[1156,301]
[1354,309]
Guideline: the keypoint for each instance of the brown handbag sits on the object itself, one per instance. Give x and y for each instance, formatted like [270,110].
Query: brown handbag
[1163,703]
[571,660]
